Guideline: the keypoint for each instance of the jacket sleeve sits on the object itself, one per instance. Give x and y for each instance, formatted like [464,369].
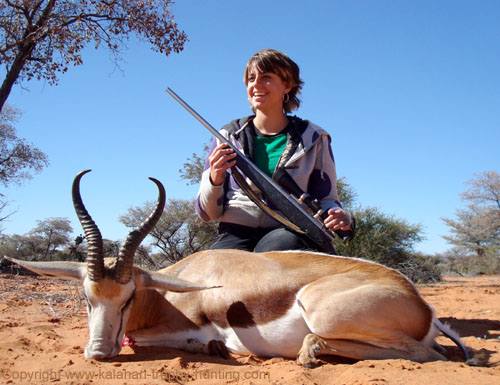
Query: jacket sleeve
[209,203]
[326,176]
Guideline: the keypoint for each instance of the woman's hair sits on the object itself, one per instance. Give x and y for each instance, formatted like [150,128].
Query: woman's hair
[277,62]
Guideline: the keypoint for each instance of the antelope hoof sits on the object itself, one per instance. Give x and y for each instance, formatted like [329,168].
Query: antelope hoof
[218,348]
[307,362]
[312,347]
[307,358]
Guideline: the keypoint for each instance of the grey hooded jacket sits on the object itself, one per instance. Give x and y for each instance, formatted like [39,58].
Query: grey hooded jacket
[307,157]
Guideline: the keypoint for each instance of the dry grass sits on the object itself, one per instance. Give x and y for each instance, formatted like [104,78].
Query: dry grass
[22,291]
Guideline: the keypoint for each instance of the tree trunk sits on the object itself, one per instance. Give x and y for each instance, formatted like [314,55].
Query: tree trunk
[23,55]
[13,73]
[49,243]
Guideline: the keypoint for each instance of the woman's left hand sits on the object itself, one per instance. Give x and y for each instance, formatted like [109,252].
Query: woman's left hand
[338,220]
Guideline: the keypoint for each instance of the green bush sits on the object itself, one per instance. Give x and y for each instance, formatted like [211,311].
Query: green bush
[389,241]
[454,262]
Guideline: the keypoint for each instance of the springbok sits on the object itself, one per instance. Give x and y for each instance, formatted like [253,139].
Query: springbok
[290,304]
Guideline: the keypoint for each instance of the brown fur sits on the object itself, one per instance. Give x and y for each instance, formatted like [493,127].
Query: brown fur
[107,287]
[240,302]
[150,309]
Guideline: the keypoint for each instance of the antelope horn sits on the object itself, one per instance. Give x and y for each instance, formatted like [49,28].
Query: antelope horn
[125,261]
[95,255]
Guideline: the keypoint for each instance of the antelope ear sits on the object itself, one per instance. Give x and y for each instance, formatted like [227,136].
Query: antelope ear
[153,280]
[56,269]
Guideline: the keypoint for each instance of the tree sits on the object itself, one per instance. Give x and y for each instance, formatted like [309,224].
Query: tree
[48,235]
[194,167]
[178,233]
[50,240]
[75,249]
[346,194]
[458,261]
[381,238]
[18,159]
[477,227]
[16,246]
[484,191]
[389,241]
[3,216]
[41,38]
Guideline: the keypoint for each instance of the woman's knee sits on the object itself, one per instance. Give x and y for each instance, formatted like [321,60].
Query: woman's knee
[281,239]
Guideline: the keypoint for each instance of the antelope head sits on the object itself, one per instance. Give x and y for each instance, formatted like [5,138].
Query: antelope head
[109,286]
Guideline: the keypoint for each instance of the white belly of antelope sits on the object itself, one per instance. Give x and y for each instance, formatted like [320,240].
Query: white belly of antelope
[281,337]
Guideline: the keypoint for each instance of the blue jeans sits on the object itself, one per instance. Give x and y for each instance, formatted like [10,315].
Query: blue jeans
[233,236]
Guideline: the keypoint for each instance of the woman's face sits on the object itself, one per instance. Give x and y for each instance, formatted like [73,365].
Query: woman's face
[266,91]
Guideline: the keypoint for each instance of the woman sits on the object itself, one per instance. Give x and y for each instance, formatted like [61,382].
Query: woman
[274,141]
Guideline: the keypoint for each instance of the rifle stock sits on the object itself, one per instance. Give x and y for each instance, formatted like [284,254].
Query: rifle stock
[287,182]
[282,200]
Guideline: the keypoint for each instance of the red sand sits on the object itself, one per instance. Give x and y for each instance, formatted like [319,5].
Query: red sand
[44,336]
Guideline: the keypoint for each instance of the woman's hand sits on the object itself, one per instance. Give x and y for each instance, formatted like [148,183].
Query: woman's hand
[221,159]
[338,220]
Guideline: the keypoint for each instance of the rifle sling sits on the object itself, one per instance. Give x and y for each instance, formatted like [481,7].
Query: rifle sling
[240,180]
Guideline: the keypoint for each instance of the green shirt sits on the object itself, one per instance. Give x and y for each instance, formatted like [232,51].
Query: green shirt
[267,151]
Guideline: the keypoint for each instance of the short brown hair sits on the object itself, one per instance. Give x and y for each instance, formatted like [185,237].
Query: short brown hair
[277,62]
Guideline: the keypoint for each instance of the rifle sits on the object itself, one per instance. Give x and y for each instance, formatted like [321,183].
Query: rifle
[297,218]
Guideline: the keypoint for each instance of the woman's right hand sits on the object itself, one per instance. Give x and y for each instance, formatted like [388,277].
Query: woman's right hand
[221,159]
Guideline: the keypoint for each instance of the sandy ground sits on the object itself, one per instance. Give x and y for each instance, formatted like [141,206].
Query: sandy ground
[43,329]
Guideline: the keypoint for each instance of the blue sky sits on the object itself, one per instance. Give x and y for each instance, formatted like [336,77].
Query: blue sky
[409,91]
